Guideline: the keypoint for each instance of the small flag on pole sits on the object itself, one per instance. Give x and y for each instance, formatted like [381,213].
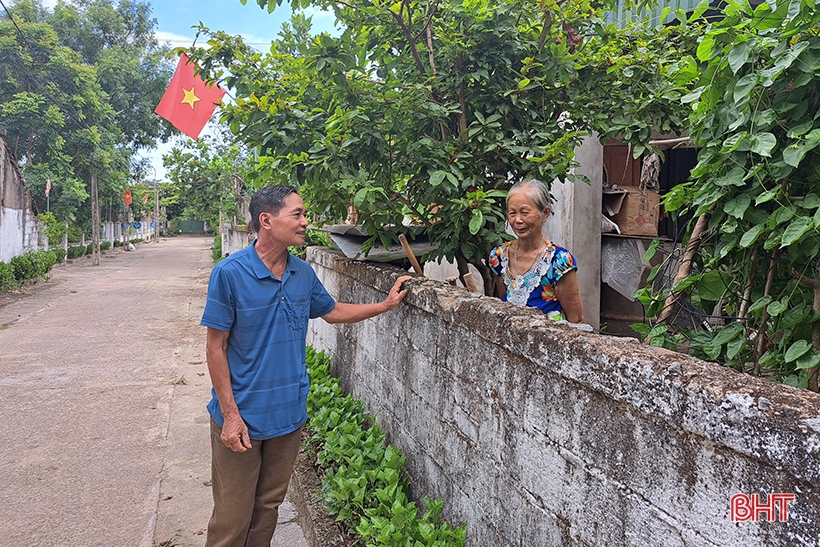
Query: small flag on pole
[126,197]
[48,186]
[189,102]
[145,198]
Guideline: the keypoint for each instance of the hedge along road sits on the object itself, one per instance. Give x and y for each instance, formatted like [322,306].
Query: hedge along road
[103,384]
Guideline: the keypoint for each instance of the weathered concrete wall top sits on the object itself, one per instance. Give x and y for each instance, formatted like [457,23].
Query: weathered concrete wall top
[12,187]
[538,434]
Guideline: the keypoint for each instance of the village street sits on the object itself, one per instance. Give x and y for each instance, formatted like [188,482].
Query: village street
[104,384]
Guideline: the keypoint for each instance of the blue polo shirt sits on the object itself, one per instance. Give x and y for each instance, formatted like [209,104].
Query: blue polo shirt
[267,319]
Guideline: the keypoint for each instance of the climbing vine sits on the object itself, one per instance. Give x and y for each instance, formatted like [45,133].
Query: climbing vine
[754,252]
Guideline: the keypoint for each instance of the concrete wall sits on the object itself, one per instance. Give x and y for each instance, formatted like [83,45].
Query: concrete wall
[575,223]
[19,227]
[235,237]
[536,434]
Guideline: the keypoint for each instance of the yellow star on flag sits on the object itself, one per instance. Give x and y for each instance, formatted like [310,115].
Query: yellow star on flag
[190,97]
[186,88]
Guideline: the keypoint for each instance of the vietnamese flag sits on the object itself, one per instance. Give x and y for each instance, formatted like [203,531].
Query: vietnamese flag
[189,102]
[126,197]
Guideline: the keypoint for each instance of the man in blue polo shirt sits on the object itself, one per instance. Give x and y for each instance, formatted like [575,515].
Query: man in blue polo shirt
[259,303]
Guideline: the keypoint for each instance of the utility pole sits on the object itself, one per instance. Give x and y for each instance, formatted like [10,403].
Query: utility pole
[95,221]
[156,205]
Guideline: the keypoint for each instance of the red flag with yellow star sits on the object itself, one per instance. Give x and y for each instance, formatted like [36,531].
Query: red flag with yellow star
[189,102]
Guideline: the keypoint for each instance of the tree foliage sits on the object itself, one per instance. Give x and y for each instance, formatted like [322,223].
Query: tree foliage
[77,89]
[207,177]
[430,110]
[754,118]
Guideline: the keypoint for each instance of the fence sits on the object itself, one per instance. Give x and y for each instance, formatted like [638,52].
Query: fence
[538,434]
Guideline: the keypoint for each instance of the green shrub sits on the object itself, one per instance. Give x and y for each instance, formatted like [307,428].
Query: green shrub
[105,245]
[89,248]
[217,252]
[7,280]
[24,268]
[55,229]
[43,262]
[76,251]
[365,484]
[117,243]
[75,233]
[135,241]
[59,255]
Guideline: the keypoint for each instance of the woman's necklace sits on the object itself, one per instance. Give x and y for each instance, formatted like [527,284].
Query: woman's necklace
[534,260]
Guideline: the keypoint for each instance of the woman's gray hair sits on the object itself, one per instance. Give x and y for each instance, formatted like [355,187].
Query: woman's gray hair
[536,190]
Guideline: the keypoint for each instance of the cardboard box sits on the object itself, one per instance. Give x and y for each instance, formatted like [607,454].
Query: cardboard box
[635,211]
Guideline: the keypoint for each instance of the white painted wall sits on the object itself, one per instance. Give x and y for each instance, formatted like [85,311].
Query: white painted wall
[11,233]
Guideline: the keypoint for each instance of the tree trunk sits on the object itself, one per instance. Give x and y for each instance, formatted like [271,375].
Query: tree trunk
[685,266]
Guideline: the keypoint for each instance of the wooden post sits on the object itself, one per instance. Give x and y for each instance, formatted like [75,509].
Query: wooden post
[469,281]
[409,252]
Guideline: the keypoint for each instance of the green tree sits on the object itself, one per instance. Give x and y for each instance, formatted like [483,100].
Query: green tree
[207,178]
[77,93]
[430,111]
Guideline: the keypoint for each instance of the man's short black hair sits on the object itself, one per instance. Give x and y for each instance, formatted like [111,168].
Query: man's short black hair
[269,199]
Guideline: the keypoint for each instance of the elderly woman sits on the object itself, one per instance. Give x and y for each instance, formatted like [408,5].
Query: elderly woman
[534,271]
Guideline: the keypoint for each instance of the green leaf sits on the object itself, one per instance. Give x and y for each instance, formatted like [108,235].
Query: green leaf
[734,142]
[760,303]
[705,48]
[650,252]
[751,236]
[684,283]
[360,196]
[729,332]
[436,177]
[809,360]
[762,144]
[523,83]
[734,346]
[796,230]
[797,349]
[811,201]
[778,306]
[767,196]
[744,86]
[476,220]
[699,10]
[712,285]
[800,129]
[732,178]
[738,56]
[737,205]
[794,153]
[693,96]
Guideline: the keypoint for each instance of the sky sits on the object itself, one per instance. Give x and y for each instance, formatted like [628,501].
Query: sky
[257,27]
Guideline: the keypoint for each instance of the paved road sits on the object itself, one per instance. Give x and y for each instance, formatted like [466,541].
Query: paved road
[103,384]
